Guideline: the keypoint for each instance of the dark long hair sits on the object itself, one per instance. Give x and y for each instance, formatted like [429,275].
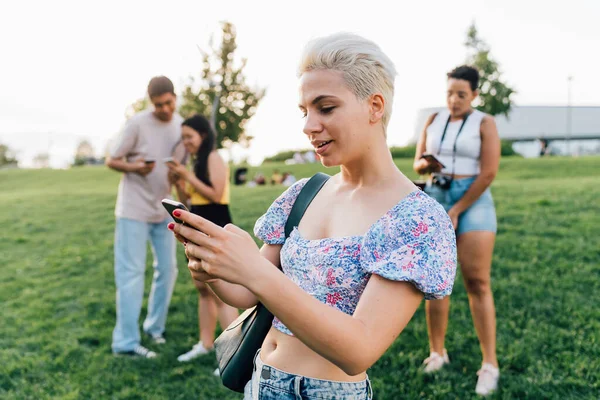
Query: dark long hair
[201,125]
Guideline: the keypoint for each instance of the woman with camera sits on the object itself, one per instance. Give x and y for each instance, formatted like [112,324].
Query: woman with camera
[460,148]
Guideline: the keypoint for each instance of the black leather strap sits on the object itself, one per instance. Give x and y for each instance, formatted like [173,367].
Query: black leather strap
[306,196]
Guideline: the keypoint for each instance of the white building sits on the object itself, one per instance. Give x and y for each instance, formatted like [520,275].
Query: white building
[577,133]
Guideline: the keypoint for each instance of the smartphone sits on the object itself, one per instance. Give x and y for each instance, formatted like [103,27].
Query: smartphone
[172,205]
[149,161]
[431,158]
[169,160]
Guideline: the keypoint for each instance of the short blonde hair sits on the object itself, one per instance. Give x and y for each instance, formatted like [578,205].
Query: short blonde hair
[367,70]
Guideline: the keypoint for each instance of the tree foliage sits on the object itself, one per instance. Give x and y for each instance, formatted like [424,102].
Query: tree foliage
[494,94]
[7,156]
[221,93]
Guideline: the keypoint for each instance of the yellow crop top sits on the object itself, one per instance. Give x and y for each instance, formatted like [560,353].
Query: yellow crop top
[197,199]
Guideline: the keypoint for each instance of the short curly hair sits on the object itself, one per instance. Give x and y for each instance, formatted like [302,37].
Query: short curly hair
[466,73]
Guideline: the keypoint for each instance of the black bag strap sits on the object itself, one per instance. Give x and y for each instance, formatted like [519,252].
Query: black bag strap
[306,196]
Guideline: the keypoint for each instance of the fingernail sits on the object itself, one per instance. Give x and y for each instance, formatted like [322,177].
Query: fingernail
[171,226]
[177,213]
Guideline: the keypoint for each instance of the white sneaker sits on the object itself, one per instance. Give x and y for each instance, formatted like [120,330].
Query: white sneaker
[216,372]
[139,351]
[487,382]
[435,361]
[195,352]
[158,338]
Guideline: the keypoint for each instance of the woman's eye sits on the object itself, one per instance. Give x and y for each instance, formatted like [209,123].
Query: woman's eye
[327,110]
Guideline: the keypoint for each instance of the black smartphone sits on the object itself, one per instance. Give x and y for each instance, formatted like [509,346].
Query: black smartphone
[169,160]
[432,159]
[172,205]
[149,161]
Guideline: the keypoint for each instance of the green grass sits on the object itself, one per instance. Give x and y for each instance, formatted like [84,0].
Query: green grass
[58,308]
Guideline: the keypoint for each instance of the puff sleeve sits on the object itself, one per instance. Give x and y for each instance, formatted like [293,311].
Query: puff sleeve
[413,242]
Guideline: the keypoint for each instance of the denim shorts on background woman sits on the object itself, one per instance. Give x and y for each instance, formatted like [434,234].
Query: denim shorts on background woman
[481,216]
[269,383]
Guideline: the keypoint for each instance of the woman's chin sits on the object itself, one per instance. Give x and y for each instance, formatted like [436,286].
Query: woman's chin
[329,161]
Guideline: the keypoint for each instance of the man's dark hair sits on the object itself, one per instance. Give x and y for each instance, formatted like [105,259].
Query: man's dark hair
[160,85]
[466,73]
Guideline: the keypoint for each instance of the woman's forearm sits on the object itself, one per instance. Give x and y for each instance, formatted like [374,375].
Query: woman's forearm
[182,194]
[232,294]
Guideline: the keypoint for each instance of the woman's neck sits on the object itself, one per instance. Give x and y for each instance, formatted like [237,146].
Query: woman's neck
[375,166]
[460,117]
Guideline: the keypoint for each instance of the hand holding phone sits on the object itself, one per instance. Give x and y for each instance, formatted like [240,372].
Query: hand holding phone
[172,205]
[141,166]
[432,160]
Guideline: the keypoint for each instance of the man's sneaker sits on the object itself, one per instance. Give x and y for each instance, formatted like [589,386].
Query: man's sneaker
[216,372]
[435,361]
[139,351]
[487,382]
[195,352]
[157,338]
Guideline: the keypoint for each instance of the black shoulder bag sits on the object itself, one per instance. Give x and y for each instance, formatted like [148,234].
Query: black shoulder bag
[237,345]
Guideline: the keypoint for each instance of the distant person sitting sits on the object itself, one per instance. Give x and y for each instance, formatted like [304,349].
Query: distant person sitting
[288,179]
[260,179]
[310,157]
[276,178]
[240,176]
[147,138]
[544,149]
[298,159]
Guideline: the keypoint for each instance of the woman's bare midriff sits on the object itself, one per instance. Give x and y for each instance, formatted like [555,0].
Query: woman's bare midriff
[289,354]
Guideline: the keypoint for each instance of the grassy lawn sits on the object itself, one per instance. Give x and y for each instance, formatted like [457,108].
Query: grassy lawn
[58,308]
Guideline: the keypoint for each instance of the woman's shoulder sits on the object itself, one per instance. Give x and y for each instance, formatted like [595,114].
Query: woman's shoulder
[415,211]
[483,116]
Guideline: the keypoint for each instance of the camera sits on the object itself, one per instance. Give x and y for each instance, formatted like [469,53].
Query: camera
[442,181]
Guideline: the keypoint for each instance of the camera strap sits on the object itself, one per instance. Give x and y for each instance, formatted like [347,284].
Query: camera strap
[455,140]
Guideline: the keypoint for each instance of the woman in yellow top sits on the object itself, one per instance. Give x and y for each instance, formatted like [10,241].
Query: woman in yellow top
[206,189]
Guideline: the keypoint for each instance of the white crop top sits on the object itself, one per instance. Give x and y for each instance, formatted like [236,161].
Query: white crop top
[468,145]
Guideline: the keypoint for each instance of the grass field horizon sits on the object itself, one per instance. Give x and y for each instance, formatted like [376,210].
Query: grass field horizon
[58,295]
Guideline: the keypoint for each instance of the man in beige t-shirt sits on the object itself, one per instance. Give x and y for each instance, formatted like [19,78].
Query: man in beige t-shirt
[148,138]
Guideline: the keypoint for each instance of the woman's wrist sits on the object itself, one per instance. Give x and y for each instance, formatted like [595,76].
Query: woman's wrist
[262,277]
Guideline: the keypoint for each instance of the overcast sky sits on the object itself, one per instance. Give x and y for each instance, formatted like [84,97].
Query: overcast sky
[71,68]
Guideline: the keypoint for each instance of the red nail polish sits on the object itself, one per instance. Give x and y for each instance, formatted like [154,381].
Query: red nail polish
[171,226]
[177,213]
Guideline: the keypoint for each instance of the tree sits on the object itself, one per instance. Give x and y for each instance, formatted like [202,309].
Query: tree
[137,106]
[41,160]
[84,153]
[7,157]
[221,93]
[494,95]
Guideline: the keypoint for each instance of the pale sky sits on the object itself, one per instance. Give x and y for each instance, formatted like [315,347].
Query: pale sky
[69,69]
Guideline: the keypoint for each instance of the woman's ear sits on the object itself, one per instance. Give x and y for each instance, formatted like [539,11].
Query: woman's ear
[376,107]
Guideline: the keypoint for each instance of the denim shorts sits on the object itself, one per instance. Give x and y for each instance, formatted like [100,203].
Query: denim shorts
[269,383]
[481,216]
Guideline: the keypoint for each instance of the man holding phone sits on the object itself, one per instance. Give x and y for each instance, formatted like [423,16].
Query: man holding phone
[148,136]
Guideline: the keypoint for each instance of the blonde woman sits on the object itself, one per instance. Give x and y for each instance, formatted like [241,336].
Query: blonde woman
[368,249]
